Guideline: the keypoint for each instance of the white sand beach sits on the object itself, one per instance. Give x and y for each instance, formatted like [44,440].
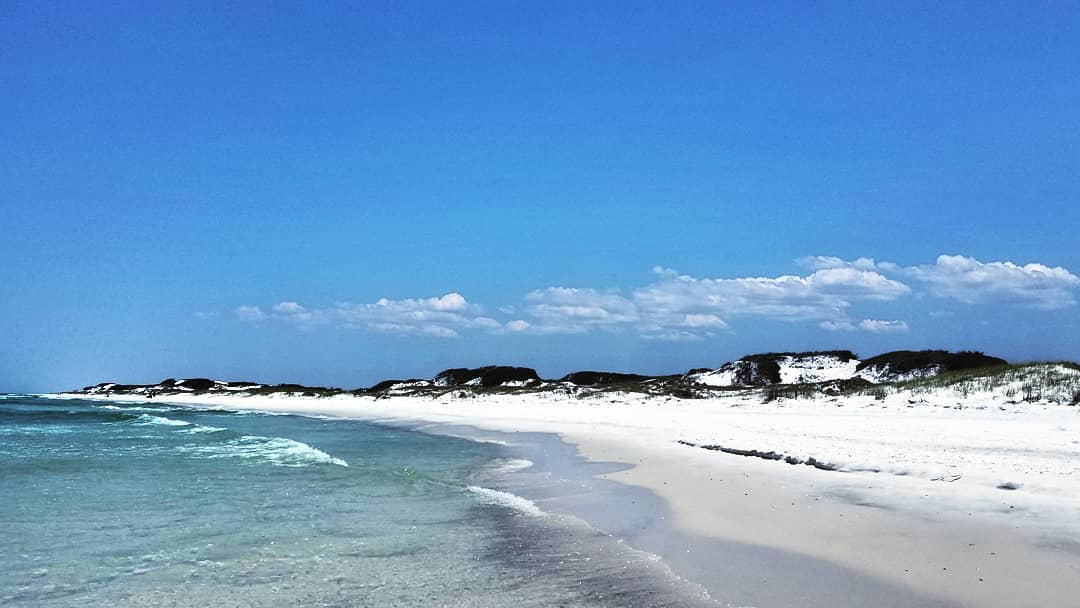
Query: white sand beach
[968,499]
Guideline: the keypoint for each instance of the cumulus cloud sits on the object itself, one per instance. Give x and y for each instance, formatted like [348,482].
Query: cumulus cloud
[517,325]
[825,262]
[249,313]
[570,310]
[882,327]
[857,283]
[439,317]
[288,308]
[871,325]
[703,320]
[682,307]
[970,281]
[453,302]
[674,306]
[434,331]
[296,313]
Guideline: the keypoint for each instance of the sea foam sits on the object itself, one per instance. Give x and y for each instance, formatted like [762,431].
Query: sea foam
[506,499]
[278,451]
[199,428]
[149,419]
[505,466]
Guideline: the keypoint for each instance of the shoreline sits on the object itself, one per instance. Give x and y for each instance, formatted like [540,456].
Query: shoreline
[850,528]
[564,483]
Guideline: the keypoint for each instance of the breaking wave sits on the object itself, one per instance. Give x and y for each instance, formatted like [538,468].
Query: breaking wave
[199,428]
[506,499]
[149,419]
[136,408]
[278,451]
[225,443]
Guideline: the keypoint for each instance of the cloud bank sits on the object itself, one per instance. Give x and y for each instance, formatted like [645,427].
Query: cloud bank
[676,306]
[970,281]
[440,317]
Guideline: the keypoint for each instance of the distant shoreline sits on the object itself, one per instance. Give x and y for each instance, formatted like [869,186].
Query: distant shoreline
[778,375]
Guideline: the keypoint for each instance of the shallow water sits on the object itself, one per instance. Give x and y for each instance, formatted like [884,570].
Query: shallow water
[110,504]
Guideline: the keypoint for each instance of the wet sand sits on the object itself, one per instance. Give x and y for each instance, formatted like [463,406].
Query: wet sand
[562,481]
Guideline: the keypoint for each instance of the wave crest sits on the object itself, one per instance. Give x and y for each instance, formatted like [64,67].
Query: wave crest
[150,419]
[506,466]
[278,451]
[506,499]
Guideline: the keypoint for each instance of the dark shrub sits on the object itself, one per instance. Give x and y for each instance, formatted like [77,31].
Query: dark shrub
[197,384]
[386,384]
[903,361]
[590,378]
[491,375]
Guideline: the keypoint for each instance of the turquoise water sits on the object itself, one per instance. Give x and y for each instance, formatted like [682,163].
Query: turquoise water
[110,504]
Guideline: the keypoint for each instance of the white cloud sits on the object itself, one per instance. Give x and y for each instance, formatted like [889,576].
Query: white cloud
[970,281]
[517,325]
[288,308]
[881,327]
[825,262]
[569,310]
[436,331]
[876,326]
[449,302]
[249,313]
[674,336]
[440,317]
[703,320]
[296,313]
[683,307]
[785,297]
[857,283]
[823,294]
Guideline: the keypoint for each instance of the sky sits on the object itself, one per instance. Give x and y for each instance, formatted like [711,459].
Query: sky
[335,194]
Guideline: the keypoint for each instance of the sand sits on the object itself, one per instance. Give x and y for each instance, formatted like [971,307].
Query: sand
[913,516]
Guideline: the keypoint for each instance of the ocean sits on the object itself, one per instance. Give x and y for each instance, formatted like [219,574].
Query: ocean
[107,504]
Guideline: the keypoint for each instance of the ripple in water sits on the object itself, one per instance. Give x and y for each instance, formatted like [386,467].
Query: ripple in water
[185,507]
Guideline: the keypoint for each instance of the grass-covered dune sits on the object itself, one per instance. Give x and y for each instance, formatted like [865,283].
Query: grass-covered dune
[591,378]
[1056,382]
[918,374]
[901,362]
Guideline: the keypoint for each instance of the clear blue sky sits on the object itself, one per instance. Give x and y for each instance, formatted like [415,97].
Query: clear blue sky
[230,192]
